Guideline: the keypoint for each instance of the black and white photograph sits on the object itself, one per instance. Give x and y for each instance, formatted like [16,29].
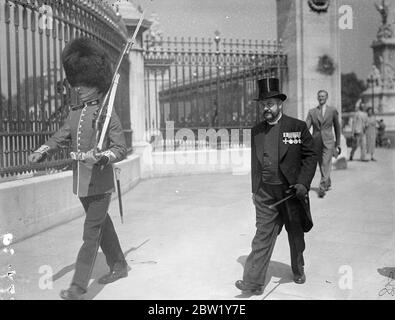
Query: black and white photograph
[211,151]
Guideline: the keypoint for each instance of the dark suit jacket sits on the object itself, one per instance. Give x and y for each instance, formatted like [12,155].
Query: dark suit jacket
[297,162]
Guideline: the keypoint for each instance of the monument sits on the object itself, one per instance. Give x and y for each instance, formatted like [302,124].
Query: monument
[380,94]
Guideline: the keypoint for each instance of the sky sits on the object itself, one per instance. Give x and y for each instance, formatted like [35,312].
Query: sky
[250,19]
[256,19]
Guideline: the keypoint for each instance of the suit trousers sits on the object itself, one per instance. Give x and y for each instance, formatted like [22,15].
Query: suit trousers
[325,155]
[359,140]
[269,223]
[98,231]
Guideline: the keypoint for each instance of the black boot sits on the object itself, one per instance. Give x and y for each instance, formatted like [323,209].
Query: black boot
[119,270]
[248,287]
[72,293]
[300,279]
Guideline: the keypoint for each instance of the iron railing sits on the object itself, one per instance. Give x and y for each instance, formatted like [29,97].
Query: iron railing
[34,95]
[207,83]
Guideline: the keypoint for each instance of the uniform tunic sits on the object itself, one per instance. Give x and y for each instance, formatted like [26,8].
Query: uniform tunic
[90,179]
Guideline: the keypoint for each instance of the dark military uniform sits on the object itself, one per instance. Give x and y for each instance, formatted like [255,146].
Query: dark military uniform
[93,184]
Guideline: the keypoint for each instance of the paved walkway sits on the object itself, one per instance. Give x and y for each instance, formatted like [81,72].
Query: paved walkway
[188,238]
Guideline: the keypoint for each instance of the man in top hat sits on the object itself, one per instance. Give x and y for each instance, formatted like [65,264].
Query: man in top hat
[323,118]
[88,69]
[283,162]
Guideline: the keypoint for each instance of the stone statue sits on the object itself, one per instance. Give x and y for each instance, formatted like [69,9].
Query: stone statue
[385,31]
[389,76]
[375,77]
[383,10]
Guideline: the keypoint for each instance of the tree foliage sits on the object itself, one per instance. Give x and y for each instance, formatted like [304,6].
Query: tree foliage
[351,88]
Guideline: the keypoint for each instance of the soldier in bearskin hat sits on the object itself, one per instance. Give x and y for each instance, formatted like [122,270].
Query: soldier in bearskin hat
[283,163]
[89,71]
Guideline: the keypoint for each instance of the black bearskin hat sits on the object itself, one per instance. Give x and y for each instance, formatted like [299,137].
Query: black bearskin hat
[87,63]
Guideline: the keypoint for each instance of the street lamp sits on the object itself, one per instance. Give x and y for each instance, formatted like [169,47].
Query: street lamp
[217,40]
[371,81]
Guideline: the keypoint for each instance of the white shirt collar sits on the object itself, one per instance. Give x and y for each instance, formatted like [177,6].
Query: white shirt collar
[276,121]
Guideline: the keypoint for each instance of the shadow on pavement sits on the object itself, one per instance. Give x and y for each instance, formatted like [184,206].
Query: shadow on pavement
[100,269]
[276,269]
[388,272]
[315,189]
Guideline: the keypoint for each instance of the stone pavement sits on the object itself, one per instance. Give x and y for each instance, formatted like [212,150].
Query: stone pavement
[188,237]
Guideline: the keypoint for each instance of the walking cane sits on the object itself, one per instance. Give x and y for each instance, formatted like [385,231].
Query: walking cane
[272,206]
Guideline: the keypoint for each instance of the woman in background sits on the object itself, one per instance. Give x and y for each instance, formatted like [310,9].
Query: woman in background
[371,133]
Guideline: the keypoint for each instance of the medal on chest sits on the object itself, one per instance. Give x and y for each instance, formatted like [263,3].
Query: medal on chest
[292,137]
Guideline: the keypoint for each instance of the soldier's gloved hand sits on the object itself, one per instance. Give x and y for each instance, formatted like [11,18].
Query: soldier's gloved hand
[39,155]
[300,191]
[104,160]
[36,157]
[106,157]
[90,157]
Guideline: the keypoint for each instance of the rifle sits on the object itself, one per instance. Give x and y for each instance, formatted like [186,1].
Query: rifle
[110,95]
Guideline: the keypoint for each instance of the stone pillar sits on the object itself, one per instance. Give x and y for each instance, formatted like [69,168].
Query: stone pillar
[307,36]
[140,144]
[137,96]
[131,15]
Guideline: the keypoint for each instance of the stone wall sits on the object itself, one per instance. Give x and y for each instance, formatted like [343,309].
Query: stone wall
[30,206]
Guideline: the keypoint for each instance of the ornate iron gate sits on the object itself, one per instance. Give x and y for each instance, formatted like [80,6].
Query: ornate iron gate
[34,96]
[204,83]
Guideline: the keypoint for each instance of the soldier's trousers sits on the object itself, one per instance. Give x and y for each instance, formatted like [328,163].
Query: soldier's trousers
[269,223]
[98,231]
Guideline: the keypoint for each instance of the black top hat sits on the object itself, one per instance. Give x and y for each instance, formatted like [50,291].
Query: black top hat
[269,88]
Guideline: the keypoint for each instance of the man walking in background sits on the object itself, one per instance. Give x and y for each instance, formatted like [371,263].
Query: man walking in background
[323,118]
[358,132]
[380,132]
